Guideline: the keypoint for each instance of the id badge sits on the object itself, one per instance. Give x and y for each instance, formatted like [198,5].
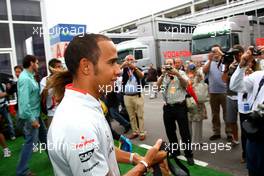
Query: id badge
[246,107]
[172,90]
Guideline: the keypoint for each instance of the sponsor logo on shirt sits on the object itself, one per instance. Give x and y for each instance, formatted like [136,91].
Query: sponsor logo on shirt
[86,156]
[84,143]
[89,169]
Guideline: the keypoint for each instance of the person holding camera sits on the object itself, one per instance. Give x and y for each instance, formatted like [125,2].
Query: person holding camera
[133,98]
[4,110]
[253,86]
[217,91]
[231,64]
[173,83]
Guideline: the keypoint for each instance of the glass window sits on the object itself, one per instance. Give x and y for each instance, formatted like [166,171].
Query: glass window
[123,54]
[25,10]
[235,39]
[29,41]
[138,54]
[4,36]
[203,45]
[5,63]
[3,11]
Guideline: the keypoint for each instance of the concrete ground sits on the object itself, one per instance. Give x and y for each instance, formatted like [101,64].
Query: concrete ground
[226,161]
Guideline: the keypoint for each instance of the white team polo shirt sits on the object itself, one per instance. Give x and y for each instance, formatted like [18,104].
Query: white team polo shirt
[79,138]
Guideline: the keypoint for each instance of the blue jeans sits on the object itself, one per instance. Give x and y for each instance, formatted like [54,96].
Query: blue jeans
[4,112]
[31,135]
[118,117]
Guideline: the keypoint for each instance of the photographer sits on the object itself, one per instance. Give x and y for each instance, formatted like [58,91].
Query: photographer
[231,61]
[253,86]
[173,83]
[217,91]
[133,98]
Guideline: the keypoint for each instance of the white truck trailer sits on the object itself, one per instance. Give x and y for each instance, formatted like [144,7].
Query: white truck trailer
[241,29]
[158,39]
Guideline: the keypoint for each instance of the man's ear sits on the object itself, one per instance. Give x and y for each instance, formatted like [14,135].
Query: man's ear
[85,66]
[31,63]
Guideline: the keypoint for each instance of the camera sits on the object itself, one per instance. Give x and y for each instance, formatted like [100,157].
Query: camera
[229,56]
[255,51]
[167,68]
[258,115]
[254,125]
[7,79]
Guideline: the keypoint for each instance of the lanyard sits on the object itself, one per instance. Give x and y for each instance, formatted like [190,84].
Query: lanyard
[260,85]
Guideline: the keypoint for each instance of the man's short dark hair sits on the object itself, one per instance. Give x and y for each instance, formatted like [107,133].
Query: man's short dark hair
[83,46]
[27,59]
[216,45]
[18,67]
[53,62]
[239,48]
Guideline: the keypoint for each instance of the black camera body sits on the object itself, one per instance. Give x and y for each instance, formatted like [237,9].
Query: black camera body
[255,51]
[11,85]
[167,68]
[258,115]
[229,56]
[254,125]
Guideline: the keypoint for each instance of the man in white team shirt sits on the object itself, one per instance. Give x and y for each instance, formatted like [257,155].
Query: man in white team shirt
[79,139]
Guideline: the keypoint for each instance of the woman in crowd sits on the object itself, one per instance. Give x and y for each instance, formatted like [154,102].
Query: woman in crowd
[198,114]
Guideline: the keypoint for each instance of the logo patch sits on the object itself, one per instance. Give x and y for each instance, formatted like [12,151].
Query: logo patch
[86,156]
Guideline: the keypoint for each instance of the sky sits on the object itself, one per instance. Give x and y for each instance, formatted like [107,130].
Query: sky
[99,15]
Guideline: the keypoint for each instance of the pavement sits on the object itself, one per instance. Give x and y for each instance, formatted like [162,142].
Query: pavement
[225,160]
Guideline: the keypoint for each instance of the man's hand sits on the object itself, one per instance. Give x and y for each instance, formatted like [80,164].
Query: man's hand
[35,124]
[131,65]
[153,155]
[210,56]
[174,72]
[246,58]
[3,94]
[233,65]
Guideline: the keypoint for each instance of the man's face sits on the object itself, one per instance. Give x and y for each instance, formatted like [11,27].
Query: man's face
[106,70]
[57,67]
[169,62]
[131,60]
[238,56]
[216,53]
[17,72]
[178,63]
[35,66]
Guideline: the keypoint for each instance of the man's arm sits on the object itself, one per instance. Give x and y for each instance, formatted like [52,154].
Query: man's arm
[159,82]
[183,81]
[225,76]
[153,156]
[206,67]
[24,99]
[125,157]
[182,78]
[139,73]
[238,82]
[3,94]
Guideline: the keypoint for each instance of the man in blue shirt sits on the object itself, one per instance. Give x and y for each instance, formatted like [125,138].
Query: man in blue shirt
[29,112]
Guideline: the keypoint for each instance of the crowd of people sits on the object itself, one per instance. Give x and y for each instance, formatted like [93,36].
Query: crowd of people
[78,125]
